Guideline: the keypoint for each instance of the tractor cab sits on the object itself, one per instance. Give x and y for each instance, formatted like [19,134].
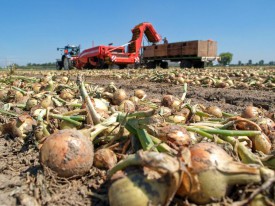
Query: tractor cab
[71,50]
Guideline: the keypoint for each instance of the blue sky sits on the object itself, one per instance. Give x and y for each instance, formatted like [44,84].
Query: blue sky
[31,30]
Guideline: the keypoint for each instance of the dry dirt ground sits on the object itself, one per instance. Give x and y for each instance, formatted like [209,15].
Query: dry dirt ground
[23,182]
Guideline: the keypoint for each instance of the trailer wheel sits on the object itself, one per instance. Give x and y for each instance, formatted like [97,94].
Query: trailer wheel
[186,64]
[152,65]
[67,63]
[164,65]
[199,64]
[122,66]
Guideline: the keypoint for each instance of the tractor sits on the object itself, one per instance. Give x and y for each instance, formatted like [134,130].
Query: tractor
[69,54]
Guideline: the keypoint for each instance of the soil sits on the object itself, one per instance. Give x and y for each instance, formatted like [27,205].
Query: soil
[24,182]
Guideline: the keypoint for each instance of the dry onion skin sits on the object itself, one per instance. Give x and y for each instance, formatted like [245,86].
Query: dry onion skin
[68,153]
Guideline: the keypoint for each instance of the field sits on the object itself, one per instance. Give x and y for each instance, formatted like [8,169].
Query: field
[23,181]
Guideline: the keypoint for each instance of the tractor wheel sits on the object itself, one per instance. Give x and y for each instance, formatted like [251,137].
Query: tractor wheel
[58,65]
[67,64]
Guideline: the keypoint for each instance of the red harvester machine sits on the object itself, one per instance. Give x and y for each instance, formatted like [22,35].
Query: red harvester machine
[103,56]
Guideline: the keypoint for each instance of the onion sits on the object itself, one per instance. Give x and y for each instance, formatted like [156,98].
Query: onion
[127,106]
[251,112]
[119,96]
[100,104]
[139,93]
[261,143]
[214,110]
[154,182]
[105,159]
[177,119]
[67,152]
[36,87]
[18,96]
[266,124]
[20,127]
[3,95]
[174,134]
[31,103]
[170,101]
[67,94]
[213,173]
[47,102]
[134,99]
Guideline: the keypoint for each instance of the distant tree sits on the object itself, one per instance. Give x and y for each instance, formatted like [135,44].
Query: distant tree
[271,63]
[226,58]
[249,62]
[239,63]
[261,62]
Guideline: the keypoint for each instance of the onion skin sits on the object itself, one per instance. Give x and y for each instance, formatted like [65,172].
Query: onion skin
[213,173]
[67,152]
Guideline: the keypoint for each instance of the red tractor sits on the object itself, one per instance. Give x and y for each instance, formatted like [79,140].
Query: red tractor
[104,56]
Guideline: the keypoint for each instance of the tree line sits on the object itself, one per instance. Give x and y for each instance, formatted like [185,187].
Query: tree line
[226,58]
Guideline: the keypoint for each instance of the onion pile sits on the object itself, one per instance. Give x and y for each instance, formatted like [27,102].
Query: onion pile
[151,149]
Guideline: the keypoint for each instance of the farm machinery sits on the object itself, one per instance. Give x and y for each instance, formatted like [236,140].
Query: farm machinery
[69,56]
[189,54]
[103,56]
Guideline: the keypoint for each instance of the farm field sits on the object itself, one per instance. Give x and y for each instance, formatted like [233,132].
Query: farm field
[180,99]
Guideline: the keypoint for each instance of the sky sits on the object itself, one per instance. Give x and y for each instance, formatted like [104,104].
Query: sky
[31,30]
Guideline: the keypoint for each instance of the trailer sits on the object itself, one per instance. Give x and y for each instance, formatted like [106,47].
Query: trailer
[189,53]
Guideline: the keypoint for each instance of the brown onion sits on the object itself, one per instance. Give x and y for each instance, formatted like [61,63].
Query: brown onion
[139,93]
[214,110]
[67,152]
[127,106]
[119,96]
[31,103]
[170,101]
[105,159]
[266,124]
[174,134]
[261,143]
[251,112]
